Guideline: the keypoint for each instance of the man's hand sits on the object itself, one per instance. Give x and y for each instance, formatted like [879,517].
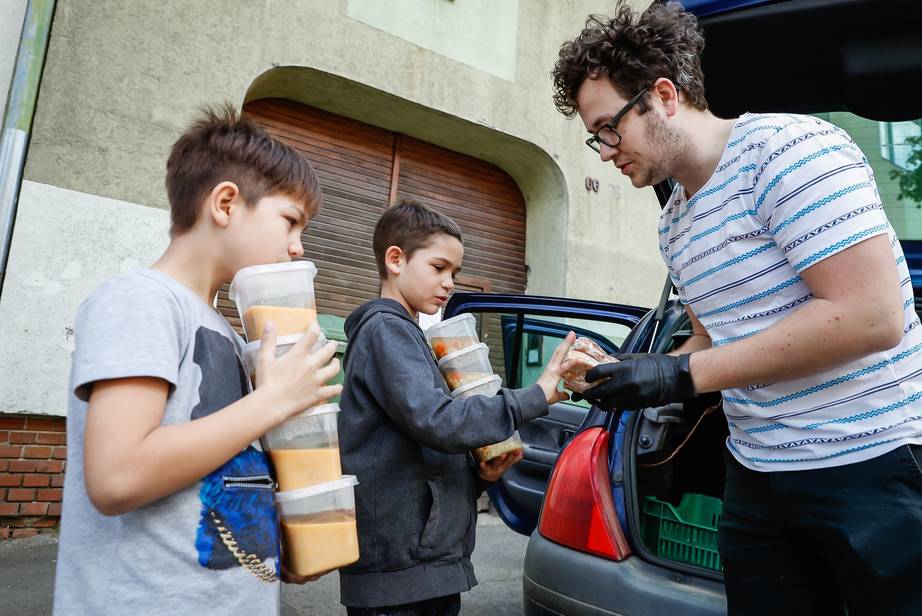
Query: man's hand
[640,380]
[493,469]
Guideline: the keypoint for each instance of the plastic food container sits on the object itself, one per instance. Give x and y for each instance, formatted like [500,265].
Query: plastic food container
[466,366]
[484,454]
[283,344]
[280,292]
[305,449]
[318,524]
[487,386]
[452,335]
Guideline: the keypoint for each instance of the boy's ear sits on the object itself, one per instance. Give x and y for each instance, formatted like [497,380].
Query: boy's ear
[394,260]
[221,201]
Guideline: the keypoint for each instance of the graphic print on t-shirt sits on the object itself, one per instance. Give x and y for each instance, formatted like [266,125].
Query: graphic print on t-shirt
[238,526]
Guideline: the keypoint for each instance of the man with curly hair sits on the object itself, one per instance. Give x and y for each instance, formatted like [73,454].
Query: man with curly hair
[802,309]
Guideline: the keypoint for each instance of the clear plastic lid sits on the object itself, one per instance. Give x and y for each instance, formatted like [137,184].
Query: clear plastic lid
[336,495]
[459,325]
[283,344]
[487,386]
[466,366]
[282,293]
[315,428]
[473,353]
[267,277]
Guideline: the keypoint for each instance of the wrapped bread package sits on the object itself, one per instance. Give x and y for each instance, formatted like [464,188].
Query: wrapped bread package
[587,355]
[485,454]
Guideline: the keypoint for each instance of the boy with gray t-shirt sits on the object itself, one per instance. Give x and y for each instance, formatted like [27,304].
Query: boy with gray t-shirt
[168,499]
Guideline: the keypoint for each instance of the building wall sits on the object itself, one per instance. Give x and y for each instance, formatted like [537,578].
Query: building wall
[122,80]
[12,13]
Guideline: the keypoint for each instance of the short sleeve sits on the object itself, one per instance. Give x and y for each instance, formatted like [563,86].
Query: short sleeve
[132,326]
[816,192]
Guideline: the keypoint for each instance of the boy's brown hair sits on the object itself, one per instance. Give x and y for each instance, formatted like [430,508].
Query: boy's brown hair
[410,226]
[224,145]
[633,50]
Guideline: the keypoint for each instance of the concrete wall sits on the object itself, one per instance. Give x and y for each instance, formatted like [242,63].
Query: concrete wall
[12,13]
[122,79]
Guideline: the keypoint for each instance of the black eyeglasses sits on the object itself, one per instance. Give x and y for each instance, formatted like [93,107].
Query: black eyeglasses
[608,134]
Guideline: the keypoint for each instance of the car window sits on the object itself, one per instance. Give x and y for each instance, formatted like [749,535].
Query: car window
[894,150]
[542,334]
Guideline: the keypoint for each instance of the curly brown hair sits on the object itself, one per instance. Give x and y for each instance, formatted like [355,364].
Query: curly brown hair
[633,50]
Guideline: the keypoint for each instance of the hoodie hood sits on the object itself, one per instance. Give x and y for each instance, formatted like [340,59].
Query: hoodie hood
[361,315]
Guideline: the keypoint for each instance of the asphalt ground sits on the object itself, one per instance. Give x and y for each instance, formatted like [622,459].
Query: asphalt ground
[27,577]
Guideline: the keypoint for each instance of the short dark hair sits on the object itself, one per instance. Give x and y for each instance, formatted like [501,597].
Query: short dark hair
[410,226]
[633,50]
[224,145]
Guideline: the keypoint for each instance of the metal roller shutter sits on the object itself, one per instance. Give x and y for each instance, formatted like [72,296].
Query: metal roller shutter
[362,169]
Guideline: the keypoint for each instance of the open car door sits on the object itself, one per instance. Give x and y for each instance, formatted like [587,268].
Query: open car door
[522,332]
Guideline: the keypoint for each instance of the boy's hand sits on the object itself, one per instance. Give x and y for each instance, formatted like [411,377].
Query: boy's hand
[493,469]
[551,375]
[296,381]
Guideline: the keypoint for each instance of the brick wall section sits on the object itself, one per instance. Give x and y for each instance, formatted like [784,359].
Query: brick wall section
[32,457]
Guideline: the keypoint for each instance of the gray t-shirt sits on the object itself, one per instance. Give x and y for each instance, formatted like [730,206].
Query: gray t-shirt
[211,548]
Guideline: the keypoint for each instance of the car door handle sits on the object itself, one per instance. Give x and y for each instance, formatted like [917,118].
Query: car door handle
[565,435]
[541,456]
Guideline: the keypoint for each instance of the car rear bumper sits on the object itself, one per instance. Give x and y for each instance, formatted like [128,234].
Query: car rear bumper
[562,581]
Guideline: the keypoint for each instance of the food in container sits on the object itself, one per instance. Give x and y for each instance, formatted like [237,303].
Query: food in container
[452,335]
[587,354]
[305,449]
[280,292]
[318,526]
[485,454]
[466,366]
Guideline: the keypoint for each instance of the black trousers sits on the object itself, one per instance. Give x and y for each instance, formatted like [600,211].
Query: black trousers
[825,541]
[440,606]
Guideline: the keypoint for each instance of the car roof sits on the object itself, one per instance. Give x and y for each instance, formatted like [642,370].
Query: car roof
[808,56]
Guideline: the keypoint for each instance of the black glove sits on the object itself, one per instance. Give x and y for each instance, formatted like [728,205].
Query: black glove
[639,380]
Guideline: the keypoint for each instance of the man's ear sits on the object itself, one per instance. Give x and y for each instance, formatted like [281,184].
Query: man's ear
[394,260]
[667,94]
[221,201]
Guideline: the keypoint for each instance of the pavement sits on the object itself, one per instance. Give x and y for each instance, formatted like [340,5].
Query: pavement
[27,577]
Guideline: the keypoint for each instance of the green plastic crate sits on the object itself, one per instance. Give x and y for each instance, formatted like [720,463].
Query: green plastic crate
[685,534]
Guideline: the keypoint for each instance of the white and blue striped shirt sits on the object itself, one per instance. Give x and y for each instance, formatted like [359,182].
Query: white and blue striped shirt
[788,192]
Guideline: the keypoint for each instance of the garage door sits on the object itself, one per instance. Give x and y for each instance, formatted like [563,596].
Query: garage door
[362,170]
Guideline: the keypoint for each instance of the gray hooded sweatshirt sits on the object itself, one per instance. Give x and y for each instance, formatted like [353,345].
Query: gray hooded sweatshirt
[407,441]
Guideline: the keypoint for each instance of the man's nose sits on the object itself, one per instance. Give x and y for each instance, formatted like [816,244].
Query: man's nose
[296,249]
[607,152]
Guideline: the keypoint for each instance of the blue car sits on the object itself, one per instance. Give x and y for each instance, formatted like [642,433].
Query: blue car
[622,509]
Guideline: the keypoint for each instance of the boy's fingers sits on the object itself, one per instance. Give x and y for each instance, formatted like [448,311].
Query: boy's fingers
[563,348]
[309,339]
[329,391]
[329,371]
[267,341]
[324,354]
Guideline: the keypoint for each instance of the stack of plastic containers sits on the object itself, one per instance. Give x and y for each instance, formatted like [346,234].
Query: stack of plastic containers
[464,362]
[315,501]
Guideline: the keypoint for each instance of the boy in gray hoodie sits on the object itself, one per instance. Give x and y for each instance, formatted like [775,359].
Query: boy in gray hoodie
[407,440]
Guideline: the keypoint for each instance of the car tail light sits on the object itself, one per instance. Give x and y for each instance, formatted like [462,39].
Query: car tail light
[579,511]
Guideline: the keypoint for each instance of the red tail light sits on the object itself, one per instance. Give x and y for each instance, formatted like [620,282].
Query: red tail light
[579,511]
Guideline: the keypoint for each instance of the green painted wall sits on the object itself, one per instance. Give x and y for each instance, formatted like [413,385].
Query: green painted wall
[905,215]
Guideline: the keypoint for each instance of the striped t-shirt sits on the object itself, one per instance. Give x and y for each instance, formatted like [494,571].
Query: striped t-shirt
[788,192]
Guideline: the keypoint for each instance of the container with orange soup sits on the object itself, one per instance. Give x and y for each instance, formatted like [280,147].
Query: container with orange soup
[280,292]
